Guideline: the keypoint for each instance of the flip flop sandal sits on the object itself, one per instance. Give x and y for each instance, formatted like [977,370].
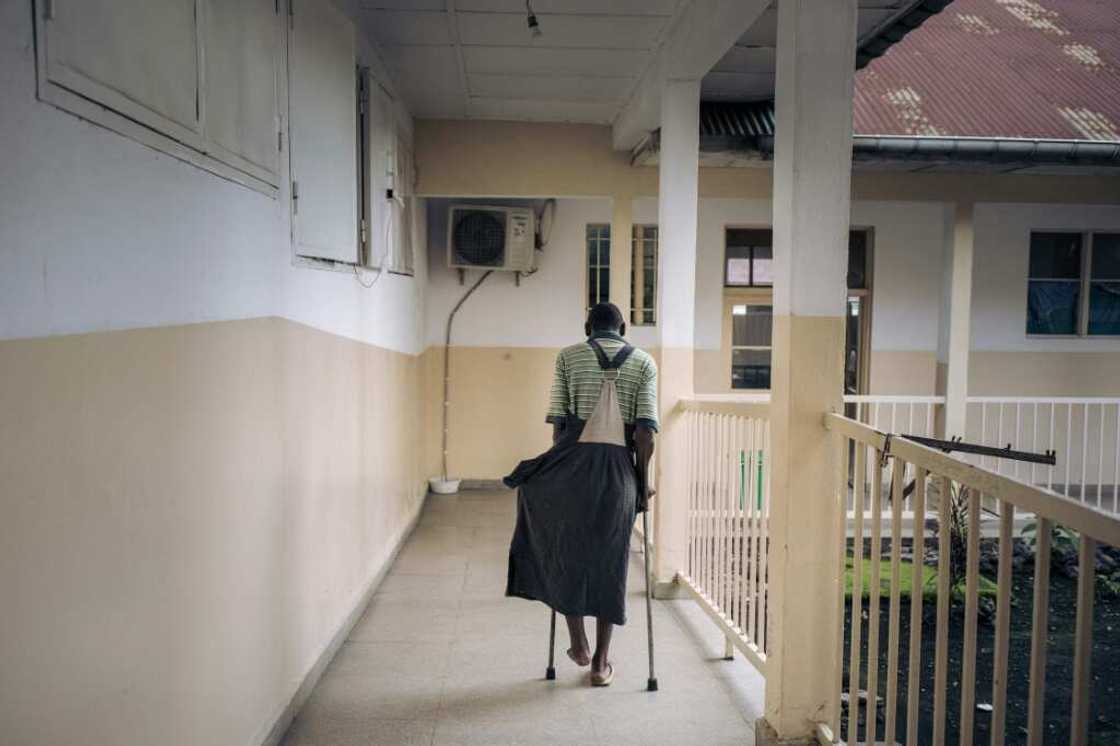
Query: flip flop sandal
[573,657]
[599,679]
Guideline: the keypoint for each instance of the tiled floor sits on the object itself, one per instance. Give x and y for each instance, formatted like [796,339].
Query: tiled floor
[441,657]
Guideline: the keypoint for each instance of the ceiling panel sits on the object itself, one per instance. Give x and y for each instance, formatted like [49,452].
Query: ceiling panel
[605,7]
[552,87]
[404,4]
[613,32]
[764,32]
[548,61]
[542,111]
[428,78]
[748,59]
[395,27]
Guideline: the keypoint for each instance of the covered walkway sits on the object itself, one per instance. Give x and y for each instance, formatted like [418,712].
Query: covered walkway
[441,657]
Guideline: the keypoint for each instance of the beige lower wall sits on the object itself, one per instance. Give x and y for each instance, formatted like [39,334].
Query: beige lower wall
[189,514]
[498,402]
[903,372]
[1044,373]
[892,372]
[711,372]
[499,395]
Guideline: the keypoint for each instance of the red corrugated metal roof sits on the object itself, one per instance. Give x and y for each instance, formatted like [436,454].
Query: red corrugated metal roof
[1000,68]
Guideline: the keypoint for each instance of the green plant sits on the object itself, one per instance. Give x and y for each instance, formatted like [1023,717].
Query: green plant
[1062,540]
[1109,585]
[958,547]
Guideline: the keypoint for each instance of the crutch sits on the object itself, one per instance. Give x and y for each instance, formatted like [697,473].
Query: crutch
[550,672]
[651,683]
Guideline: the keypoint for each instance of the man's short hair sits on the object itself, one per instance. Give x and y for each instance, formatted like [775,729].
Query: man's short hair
[605,317]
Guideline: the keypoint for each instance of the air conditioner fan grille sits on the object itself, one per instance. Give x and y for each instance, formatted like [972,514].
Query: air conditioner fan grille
[479,238]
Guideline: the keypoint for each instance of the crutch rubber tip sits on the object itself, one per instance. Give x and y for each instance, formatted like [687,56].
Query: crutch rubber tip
[550,673]
[651,685]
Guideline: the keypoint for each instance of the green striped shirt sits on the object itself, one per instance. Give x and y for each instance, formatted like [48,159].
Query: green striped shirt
[578,379]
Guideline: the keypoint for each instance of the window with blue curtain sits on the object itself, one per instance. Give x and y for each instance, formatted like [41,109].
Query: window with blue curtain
[1054,283]
[1104,284]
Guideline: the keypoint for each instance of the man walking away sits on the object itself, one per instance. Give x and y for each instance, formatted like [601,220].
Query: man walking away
[577,501]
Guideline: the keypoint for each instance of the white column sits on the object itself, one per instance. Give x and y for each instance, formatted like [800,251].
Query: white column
[956,318]
[676,312]
[622,227]
[812,202]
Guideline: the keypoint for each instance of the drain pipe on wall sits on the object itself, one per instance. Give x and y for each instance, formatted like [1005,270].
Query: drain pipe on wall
[447,361]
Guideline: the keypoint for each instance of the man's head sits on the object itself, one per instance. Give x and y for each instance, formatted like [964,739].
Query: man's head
[605,317]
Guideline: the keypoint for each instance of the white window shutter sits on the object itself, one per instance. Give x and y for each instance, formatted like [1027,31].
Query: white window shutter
[241,39]
[380,170]
[403,191]
[323,133]
[137,57]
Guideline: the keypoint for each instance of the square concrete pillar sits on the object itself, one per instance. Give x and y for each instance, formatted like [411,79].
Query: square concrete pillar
[677,206]
[955,339]
[812,203]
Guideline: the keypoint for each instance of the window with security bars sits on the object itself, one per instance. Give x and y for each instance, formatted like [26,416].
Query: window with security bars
[598,264]
[643,277]
[1073,284]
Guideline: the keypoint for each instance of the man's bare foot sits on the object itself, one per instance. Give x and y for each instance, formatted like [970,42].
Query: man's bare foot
[580,658]
[602,675]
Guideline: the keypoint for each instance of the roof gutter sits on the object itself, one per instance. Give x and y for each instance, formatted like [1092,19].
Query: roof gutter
[974,150]
[1012,152]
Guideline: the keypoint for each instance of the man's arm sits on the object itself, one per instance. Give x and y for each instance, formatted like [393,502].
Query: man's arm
[645,431]
[643,452]
[558,401]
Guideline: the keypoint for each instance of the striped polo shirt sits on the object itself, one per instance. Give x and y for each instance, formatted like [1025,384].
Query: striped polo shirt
[578,379]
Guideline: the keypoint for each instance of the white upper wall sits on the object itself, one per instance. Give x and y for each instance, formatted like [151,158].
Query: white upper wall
[547,310]
[909,241]
[999,277]
[99,232]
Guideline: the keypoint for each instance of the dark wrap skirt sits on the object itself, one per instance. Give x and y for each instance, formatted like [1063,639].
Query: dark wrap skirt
[576,505]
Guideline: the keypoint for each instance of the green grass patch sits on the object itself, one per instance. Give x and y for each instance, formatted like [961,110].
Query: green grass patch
[986,587]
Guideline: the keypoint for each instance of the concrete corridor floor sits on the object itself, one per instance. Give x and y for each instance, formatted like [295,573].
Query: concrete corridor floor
[440,656]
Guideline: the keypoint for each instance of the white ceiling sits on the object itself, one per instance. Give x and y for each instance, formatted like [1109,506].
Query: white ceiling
[476,58]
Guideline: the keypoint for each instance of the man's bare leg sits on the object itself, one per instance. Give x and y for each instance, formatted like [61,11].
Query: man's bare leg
[580,652]
[600,660]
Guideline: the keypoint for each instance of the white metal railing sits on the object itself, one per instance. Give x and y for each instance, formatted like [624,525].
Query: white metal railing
[905,414]
[912,415]
[728,467]
[1084,433]
[956,491]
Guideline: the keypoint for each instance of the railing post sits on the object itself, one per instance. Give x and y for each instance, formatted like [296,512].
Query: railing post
[812,180]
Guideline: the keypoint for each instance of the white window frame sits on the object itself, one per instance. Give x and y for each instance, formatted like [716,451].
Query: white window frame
[744,295]
[190,148]
[1085,281]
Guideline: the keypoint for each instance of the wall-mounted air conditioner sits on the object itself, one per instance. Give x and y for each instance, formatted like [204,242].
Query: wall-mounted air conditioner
[502,238]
